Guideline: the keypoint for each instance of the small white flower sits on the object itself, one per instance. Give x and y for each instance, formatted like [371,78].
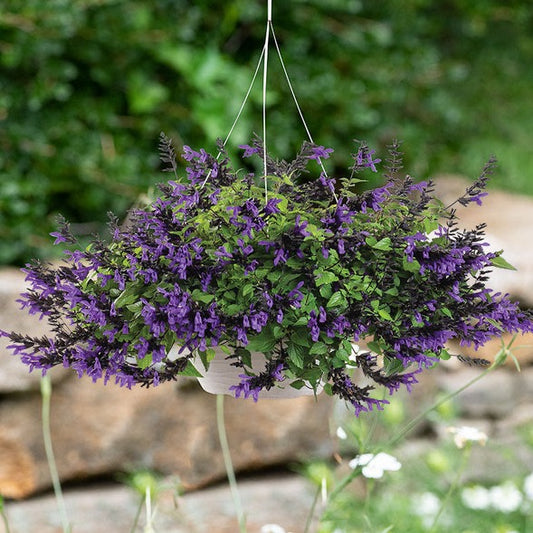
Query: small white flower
[375,465]
[505,497]
[341,434]
[528,487]
[426,506]
[465,434]
[272,528]
[476,497]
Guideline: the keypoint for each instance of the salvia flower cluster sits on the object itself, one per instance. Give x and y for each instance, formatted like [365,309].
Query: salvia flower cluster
[298,272]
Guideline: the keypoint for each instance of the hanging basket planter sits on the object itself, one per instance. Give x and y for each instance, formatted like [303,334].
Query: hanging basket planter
[276,281]
[265,282]
[221,378]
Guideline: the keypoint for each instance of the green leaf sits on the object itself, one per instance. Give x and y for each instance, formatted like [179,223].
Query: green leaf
[298,384]
[127,297]
[500,262]
[445,311]
[245,356]
[411,266]
[226,349]
[301,337]
[375,346]
[384,244]
[189,370]
[325,291]
[371,241]
[383,313]
[337,300]
[200,296]
[233,309]
[444,355]
[392,366]
[262,342]
[207,356]
[135,307]
[247,289]
[145,362]
[496,324]
[302,321]
[296,354]
[324,277]
[318,348]
[328,389]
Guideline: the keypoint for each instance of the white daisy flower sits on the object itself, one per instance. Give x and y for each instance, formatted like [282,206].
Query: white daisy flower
[465,434]
[374,466]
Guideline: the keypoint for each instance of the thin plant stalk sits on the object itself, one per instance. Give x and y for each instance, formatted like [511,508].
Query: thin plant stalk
[312,510]
[453,486]
[46,393]
[148,500]
[230,472]
[4,515]
[137,516]
[498,360]
[417,419]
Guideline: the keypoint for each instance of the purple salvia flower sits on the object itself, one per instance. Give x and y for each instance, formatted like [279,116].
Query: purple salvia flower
[244,388]
[271,206]
[318,152]
[328,183]
[249,150]
[189,154]
[299,228]
[280,256]
[277,373]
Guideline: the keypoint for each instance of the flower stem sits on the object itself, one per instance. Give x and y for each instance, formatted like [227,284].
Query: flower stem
[4,515]
[414,422]
[453,486]
[312,510]
[417,419]
[137,516]
[148,528]
[228,464]
[46,393]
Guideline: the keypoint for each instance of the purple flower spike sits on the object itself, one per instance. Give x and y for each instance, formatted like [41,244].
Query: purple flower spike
[318,152]
[249,150]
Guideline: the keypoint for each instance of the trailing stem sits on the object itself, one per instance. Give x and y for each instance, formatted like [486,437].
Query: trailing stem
[46,393]
[228,464]
[498,361]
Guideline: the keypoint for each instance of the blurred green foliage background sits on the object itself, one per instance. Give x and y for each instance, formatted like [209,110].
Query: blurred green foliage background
[86,86]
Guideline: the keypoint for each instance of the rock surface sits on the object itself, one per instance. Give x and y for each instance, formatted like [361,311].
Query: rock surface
[97,430]
[283,499]
[14,377]
[509,219]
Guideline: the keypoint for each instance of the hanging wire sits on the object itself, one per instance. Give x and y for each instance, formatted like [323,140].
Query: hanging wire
[299,109]
[239,113]
[263,58]
[245,99]
[265,72]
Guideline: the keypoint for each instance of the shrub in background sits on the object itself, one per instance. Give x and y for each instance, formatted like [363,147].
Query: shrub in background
[87,85]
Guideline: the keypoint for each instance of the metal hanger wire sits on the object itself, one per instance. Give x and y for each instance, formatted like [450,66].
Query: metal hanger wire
[263,59]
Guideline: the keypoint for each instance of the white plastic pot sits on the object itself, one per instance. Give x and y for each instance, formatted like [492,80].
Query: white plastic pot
[221,375]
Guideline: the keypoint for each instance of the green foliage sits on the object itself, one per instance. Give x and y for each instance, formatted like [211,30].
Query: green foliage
[87,85]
